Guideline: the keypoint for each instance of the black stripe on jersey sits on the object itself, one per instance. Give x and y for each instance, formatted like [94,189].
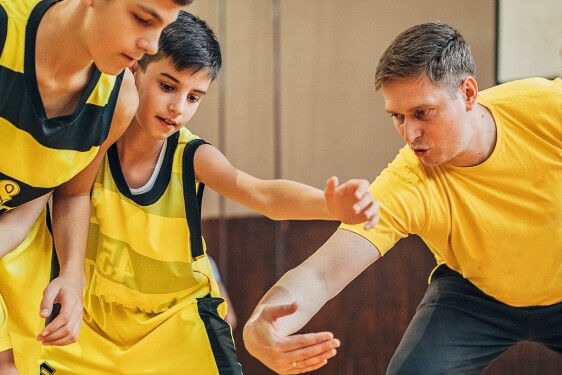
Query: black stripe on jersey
[3,28]
[192,199]
[161,183]
[220,336]
[27,193]
[24,108]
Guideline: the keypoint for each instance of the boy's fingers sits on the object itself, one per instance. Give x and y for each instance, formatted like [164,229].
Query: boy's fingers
[331,185]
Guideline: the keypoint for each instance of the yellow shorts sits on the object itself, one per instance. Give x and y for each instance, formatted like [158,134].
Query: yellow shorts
[189,338]
[25,272]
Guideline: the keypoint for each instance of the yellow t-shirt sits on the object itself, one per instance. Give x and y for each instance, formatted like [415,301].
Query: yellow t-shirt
[498,223]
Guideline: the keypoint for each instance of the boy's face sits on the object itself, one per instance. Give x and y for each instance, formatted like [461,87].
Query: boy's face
[432,123]
[168,98]
[118,32]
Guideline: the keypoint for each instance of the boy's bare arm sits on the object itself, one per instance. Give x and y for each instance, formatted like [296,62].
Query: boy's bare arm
[71,217]
[17,223]
[284,199]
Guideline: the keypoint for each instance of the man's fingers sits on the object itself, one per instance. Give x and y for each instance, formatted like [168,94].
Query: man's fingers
[274,312]
[310,344]
[319,348]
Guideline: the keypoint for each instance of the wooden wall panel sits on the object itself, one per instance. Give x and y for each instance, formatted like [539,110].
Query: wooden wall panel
[333,122]
[207,122]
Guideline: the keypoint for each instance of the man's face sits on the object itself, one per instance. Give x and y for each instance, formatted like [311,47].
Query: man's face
[118,32]
[431,122]
[168,98]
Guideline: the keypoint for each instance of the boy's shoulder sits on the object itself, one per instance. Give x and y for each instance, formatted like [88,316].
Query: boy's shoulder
[185,136]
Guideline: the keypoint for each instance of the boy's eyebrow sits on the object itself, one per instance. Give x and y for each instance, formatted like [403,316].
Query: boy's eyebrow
[169,76]
[151,11]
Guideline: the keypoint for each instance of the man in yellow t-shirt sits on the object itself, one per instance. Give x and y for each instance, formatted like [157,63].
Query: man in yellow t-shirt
[479,180]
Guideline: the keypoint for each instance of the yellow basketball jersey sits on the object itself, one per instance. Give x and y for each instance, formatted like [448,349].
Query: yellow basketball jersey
[140,251]
[38,153]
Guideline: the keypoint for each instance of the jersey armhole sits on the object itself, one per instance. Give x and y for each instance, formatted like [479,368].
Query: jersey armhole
[193,198]
[3,28]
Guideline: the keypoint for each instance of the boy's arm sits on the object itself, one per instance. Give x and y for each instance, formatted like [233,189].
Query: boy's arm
[17,223]
[283,199]
[288,306]
[71,217]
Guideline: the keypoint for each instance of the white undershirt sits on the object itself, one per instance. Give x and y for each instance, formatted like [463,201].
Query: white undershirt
[150,184]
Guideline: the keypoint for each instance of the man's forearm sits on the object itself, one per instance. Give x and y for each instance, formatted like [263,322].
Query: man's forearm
[300,285]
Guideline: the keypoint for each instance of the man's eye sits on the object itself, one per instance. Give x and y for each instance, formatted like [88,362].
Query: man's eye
[421,114]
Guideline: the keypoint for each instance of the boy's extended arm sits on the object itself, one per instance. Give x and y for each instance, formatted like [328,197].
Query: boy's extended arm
[297,297]
[71,217]
[279,199]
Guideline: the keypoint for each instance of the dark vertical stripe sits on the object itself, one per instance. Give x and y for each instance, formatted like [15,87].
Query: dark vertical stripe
[3,28]
[280,227]
[220,336]
[192,198]
[497,54]
[55,267]
[222,232]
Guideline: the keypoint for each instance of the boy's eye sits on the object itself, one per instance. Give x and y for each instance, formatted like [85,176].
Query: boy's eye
[194,98]
[142,21]
[166,87]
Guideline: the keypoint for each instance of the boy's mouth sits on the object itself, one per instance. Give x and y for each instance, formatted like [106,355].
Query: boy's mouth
[167,121]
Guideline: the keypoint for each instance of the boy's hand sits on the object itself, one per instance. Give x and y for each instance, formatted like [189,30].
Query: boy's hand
[351,202]
[295,354]
[64,329]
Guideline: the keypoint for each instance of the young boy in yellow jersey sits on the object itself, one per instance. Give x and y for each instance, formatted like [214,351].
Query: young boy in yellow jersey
[151,303]
[64,100]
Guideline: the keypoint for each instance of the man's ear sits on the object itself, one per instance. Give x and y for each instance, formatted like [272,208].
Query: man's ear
[469,90]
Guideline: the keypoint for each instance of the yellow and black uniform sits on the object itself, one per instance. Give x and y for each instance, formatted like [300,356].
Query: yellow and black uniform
[38,154]
[484,221]
[151,303]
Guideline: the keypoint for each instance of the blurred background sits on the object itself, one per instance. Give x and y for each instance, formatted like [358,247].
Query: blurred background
[296,100]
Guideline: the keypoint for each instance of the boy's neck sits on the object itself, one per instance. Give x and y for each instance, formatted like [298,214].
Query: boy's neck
[138,155]
[59,50]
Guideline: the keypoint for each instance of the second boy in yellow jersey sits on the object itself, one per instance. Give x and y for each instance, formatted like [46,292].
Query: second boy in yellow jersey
[151,302]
